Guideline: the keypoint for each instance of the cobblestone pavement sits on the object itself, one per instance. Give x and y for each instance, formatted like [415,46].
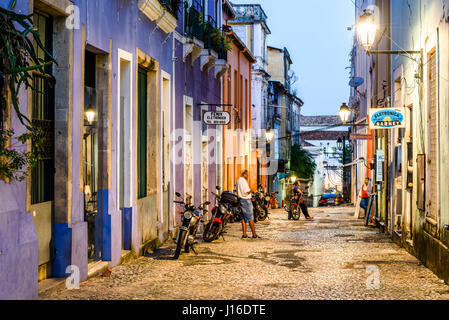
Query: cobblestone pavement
[322,259]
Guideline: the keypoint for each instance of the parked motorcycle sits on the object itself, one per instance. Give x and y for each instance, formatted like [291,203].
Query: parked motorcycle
[266,198]
[260,214]
[261,204]
[274,203]
[221,215]
[294,211]
[190,220]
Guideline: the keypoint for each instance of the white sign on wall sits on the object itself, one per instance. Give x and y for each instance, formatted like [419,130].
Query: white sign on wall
[217,118]
[380,160]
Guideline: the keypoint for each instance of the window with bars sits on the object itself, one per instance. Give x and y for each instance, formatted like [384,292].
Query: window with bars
[43,106]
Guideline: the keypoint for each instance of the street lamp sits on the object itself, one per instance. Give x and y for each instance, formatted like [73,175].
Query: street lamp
[269,134]
[293,179]
[90,114]
[367,30]
[340,144]
[345,113]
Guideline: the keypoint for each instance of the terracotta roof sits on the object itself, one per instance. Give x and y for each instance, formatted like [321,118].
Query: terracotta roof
[320,121]
[324,135]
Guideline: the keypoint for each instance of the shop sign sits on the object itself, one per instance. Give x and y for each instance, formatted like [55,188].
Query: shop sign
[217,118]
[386,118]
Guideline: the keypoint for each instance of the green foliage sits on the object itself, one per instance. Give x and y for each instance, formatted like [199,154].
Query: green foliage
[302,163]
[18,60]
[13,162]
[220,40]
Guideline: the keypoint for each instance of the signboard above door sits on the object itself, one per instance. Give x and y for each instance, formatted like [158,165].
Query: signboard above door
[217,118]
[386,118]
[360,136]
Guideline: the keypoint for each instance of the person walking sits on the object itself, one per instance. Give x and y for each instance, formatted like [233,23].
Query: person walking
[244,193]
[298,193]
[365,195]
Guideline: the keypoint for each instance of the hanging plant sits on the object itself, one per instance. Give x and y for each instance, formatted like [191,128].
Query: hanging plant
[18,59]
[220,40]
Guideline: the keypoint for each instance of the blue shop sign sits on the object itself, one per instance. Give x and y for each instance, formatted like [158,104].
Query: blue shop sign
[387,118]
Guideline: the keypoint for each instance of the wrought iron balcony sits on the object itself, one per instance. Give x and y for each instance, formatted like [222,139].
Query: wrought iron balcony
[215,39]
[211,32]
[193,20]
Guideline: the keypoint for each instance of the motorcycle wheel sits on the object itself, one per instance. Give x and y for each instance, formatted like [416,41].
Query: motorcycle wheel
[212,231]
[263,214]
[258,214]
[182,239]
[295,214]
[237,217]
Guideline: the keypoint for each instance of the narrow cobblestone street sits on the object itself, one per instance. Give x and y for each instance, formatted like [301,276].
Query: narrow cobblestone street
[322,259]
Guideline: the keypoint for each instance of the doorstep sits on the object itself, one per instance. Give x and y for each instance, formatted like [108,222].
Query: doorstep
[127,256]
[93,269]
[49,284]
[96,268]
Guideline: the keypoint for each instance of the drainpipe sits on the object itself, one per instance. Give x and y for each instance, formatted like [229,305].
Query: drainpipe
[173,122]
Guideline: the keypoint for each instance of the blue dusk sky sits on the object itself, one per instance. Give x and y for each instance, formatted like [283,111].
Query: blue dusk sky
[315,33]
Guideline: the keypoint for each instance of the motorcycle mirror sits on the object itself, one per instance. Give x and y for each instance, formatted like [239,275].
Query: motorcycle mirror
[207,203]
[277,192]
[218,188]
[178,194]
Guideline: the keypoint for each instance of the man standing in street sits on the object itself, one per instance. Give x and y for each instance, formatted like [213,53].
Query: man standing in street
[244,193]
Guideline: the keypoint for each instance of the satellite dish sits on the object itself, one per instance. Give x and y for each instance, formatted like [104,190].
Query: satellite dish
[356,82]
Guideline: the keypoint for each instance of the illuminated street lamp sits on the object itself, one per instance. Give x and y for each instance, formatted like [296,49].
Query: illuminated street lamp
[345,113]
[269,134]
[340,144]
[90,114]
[367,29]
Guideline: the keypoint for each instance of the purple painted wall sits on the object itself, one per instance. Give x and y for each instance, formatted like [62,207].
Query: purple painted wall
[129,29]
[202,87]
[18,238]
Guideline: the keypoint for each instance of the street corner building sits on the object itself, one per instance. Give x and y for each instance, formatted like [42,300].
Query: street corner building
[405,67]
[123,133]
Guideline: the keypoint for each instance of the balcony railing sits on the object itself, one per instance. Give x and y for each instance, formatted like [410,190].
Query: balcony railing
[215,39]
[171,6]
[210,32]
[205,29]
[193,20]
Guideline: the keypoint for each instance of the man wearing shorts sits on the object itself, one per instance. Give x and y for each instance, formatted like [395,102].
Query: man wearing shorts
[244,193]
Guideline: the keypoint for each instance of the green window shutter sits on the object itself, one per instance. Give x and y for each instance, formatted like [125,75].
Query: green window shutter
[142,129]
[43,106]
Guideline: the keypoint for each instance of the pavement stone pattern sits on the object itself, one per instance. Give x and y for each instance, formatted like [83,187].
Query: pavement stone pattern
[324,259]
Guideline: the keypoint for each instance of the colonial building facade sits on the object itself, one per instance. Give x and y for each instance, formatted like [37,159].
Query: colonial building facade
[411,205]
[146,70]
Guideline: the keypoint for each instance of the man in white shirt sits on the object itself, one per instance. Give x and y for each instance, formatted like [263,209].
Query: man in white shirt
[244,193]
